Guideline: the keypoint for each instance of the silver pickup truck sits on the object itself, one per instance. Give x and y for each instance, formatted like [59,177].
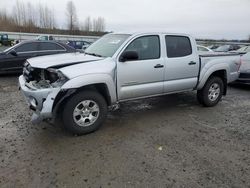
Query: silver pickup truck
[80,87]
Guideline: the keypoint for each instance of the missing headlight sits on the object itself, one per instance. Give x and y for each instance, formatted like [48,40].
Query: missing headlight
[51,75]
[55,76]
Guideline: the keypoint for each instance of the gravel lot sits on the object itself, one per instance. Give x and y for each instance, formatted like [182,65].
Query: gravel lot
[2,48]
[168,141]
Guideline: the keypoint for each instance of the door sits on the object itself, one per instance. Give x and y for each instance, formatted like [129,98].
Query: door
[144,76]
[182,64]
[14,63]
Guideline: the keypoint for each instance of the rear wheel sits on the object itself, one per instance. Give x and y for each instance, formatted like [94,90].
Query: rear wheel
[212,92]
[84,112]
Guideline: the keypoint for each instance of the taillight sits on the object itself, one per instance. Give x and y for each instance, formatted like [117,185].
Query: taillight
[240,64]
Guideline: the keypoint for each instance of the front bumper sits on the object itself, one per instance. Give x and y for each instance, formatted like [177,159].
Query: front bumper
[39,100]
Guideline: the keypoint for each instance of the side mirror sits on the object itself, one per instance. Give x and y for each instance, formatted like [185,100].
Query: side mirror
[13,52]
[129,56]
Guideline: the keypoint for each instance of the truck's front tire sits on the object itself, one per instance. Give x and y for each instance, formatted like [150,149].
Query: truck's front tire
[212,92]
[84,112]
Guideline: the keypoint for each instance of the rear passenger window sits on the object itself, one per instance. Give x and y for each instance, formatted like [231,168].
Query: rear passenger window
[147,47]
[178,46]
[27,47]
[44,46]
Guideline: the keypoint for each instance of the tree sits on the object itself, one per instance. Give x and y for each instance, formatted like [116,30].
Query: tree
[87,24]
[18,11]
[71,17]
[31,18]
[99,24]
[28,17]
[7,22]
[46,17]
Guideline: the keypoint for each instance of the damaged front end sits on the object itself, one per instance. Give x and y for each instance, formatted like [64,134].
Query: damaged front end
[40,88]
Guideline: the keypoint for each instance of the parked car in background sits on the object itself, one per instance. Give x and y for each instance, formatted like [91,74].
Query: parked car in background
[79,44]
[45,37]
[13,58]
[244,49]
[227,48]
[213,47]
[86,45]
[14,42]
[204,50]
[120,67]
[4,40]
[245,69]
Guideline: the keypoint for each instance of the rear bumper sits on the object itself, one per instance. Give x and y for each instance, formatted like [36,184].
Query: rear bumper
[244,78]
[40,100]
[243,81]
[233,76]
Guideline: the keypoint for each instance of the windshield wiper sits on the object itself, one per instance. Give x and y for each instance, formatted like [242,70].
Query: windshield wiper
[93,54]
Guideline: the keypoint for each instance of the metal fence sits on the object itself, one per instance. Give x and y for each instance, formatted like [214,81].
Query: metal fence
[30,36]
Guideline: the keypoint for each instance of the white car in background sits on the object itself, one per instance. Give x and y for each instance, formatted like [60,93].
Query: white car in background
[45,37]
[204,50]
[244,77]
[244,49]
[245,65]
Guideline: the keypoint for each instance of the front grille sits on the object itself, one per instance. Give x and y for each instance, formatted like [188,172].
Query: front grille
[26,71]
[244,75]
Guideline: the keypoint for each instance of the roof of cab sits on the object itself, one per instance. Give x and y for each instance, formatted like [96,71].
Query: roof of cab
[150,33]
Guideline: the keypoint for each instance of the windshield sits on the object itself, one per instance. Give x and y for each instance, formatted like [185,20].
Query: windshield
[8,49]
[107,45]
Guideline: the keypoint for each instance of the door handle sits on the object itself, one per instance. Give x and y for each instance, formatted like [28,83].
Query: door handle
[192,63]
[158,66]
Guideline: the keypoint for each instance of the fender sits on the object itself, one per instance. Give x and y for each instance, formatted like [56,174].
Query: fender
[207,72]
[89,79]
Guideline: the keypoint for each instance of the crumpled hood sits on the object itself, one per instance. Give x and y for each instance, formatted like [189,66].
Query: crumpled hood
[104,66]
[61,60]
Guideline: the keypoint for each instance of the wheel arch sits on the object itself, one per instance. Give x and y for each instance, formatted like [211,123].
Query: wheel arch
[65,94]
[221,73]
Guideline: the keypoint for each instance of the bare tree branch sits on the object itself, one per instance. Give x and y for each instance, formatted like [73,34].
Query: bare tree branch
[88,24]
[99,24]
[71,17]
[30,17]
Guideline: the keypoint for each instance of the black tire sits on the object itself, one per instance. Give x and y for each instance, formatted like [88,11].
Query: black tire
[68,117]
[203,94]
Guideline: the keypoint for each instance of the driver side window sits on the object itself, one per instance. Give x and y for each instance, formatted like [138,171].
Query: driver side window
[147,47]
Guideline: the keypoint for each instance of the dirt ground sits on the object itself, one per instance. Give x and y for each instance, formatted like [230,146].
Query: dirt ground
[169,141]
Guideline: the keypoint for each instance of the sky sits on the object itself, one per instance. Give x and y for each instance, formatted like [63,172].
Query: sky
[216,19]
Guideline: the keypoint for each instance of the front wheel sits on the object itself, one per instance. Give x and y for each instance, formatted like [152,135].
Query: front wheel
[212,92]
[84,112]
